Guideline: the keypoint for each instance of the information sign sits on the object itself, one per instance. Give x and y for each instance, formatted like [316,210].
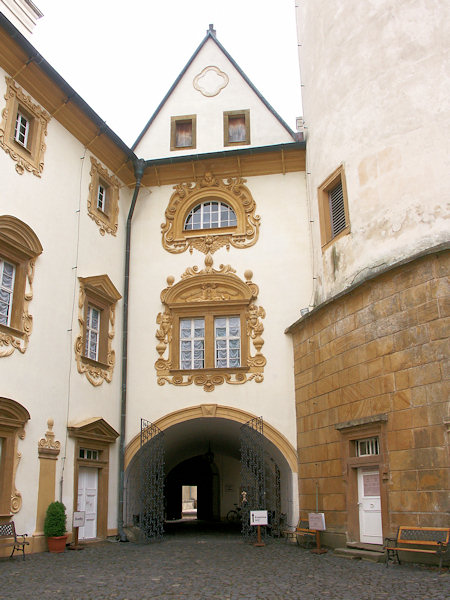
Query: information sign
[78,518]
[258,517]
[316,521]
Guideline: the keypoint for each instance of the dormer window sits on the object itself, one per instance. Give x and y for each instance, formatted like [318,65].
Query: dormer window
[183,132]
[210,215]
[236,127]
[22,129]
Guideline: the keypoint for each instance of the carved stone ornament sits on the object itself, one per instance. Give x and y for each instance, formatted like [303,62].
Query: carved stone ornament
[19,243]
[100,289]
[206,292]
[48,447]
[31,157]
[211,81]
[106,220]
[187,196]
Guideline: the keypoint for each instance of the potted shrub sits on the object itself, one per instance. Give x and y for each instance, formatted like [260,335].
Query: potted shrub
[55,527]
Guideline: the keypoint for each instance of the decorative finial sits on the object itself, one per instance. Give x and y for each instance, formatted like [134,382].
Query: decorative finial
[211,30]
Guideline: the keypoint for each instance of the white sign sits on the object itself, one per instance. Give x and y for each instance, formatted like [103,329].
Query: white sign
[258,517]
[317,521]
[78,518]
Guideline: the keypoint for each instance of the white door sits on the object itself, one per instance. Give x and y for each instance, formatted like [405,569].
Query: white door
[87,501]
[369,501]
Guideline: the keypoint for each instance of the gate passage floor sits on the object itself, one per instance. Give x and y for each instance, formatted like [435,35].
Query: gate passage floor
[198,563]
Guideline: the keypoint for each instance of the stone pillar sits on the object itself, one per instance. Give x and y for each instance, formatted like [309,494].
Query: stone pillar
[48,449]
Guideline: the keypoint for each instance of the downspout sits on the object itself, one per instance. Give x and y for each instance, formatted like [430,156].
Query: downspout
[139,168]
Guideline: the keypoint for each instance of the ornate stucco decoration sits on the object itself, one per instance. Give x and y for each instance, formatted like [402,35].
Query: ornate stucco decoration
[211,81]
[13,417]
[208,293]
[187,196]
[99,291]
[31,157]
[107,219]
[48,447]
[18,243]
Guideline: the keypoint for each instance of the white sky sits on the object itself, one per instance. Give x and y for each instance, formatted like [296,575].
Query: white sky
[109,49]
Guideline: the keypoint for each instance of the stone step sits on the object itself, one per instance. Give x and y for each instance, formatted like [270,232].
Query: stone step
[357,553]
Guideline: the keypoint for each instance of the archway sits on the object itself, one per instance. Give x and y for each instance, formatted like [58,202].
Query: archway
[189,436]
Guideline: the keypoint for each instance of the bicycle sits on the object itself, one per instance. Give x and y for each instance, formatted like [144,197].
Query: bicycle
[235,514]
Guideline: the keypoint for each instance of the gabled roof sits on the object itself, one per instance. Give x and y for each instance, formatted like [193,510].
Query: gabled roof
[211,34]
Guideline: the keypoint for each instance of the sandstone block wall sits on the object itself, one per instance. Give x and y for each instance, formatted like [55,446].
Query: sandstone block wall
[380,349]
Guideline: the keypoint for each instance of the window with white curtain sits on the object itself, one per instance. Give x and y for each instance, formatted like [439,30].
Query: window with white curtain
[7,276]
[227,337]
[192,343]
[92,332]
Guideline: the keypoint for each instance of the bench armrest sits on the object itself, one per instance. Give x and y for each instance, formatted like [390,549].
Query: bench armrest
[390,541]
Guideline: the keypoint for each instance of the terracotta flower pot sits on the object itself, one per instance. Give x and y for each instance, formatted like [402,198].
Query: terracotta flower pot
[57,544]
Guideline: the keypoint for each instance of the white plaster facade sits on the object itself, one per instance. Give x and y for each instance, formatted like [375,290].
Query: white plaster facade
[376,85]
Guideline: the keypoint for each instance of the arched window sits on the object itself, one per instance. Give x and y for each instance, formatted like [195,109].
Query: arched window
[210,215]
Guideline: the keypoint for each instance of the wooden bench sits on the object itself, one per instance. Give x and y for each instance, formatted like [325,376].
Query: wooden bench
[303,530]
[429,540]
[8,531]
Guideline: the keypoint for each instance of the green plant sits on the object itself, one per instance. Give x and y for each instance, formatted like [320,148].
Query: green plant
[55,520]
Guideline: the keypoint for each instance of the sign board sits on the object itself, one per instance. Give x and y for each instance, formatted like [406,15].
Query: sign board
[316,521]
[258,517]
[78,518]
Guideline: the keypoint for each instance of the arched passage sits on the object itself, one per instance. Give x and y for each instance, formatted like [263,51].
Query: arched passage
[189,436]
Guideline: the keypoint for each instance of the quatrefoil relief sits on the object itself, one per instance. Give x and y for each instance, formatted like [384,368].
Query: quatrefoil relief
[210,81]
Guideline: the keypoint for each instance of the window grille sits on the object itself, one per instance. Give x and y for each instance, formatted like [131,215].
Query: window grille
[337,209]
[367,447]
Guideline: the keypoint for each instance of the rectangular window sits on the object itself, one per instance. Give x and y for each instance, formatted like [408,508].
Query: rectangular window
[7,276]
[183,132]
[236,127]
[101,197]
[192,343]
[333,208]
[89,454]
[22,129]
[337,209]
[367,447]
[227,340]
[92,332]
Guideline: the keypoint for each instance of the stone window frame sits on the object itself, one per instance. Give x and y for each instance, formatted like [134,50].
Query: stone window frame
[330,183]
[13,417]
[226,136]
[97,291]
[351,432]
[188,195]
[20,246]
[29,157]
[107,219]
[95,434]
[174,121]
[209,293]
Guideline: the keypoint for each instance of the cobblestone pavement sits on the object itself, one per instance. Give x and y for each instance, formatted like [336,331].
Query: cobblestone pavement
[206,565]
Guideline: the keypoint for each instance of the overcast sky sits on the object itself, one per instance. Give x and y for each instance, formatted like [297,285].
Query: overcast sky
[111,50]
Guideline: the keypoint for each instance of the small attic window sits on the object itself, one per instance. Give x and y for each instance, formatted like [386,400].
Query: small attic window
[236,127]
[183,132]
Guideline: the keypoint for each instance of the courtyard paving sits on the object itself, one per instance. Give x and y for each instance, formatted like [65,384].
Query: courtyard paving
[200,564]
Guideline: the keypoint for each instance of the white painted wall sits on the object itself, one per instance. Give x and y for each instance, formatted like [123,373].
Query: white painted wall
[45,379]
[376,88]
[281,268]
[186,100]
